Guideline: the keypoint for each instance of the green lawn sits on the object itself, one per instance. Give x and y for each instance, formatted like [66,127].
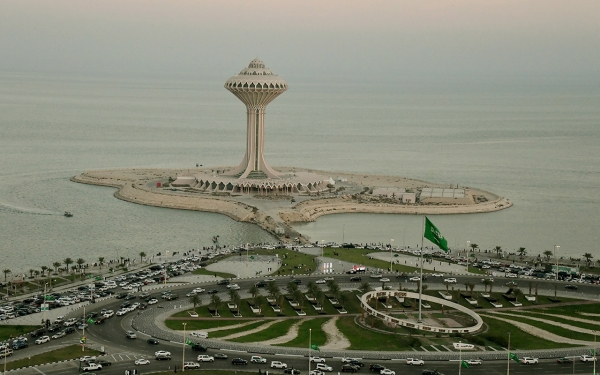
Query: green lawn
[69,352]
[276,330]
[564,332]
[7,331]
[227,332]
[192,325]
[498,333]
[565,320]
[318,337]
[204,271]
[363,339]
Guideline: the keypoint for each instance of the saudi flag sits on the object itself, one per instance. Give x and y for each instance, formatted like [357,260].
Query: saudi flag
[91,321]
[189,342]
[434,235]
[49,298]
[514,357]
[315,347]
[464,364]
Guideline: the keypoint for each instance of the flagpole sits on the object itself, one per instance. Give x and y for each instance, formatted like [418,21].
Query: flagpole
[459,357]
[421,277]
[309,347]
[508,358]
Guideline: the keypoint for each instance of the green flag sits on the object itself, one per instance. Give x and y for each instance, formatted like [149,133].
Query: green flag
[592,352]
[434,235]
[514,357]
[90,320]
[464,364]
[315,347]
[189,342]
[49,298]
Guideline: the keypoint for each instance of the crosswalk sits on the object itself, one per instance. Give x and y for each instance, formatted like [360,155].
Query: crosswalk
[119,357]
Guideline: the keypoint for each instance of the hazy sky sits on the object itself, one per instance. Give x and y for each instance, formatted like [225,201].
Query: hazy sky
[310,38]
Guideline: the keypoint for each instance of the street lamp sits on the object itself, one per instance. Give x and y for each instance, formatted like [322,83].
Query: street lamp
[391,247]
[556,247]
[459,357]
[183,350]
[247,247]
[322,246]
[468,245]
[594,353]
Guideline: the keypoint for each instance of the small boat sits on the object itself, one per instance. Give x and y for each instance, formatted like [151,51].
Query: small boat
[215,239]
[68,214]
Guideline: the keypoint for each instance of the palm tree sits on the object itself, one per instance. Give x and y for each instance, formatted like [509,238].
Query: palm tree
[320,296]
[258,301]
[56,265]
[474,246]
[254,291]
[101,261]
[522,252]
[471,287]
[291,287]
[364,287]
[233,295]
[312,288]
[588,259]
[67,262]
[36,273]
[44,269]
[491,285]
[142,255]
[195,300]
[447,284]
[299,297]
[342,299]
[400,286]
[547,254]
[6,273]
[486,282]
[31,273]
[273,289]
[215,300]
[80,262]
[334,288]
[498,250]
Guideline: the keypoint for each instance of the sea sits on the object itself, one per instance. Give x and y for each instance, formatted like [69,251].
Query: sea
[535,141]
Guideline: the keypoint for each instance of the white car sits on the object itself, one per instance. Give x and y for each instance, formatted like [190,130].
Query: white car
[329,278]
[135,305]
[191,365]
[91,367]
[317,360]
[450,280]
[376,276]
[529,360]
[58,335]
[320,281]
[162,353]
[70,322]
[587,358]
[108,313]
[142,361]
[384,280]
[192,293]
[316,372]
[415,278]
[437,275]
[233,286]
[121,312]
[349,359]
[205,358]
[473,362]
[277,364]
[42,340]
[152,301]
[198,290]
[258,359]
[87,358]
[415,361]
[269,279]
[324,367]
[387,371]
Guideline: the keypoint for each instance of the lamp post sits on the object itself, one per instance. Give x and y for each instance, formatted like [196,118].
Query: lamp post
[508,357]
[309,347]
[322,247]
[247,248]
[594,352]
[391,258]
[459,357]
[468,245]
[556,247]
[183,350]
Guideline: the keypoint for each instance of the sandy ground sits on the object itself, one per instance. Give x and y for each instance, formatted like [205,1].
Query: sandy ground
[140,186]
[255,267]
[251,331]
[335,339]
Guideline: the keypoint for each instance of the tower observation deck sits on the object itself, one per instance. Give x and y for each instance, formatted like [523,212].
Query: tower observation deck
[256,86]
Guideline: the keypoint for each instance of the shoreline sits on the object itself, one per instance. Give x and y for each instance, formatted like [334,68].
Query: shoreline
[275,214]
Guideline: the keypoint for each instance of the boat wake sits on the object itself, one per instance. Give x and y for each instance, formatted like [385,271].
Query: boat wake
[24,210]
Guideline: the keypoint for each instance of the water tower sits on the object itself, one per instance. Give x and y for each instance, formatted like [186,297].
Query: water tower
[256,86]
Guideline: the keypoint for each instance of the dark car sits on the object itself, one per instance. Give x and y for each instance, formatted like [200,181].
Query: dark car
[349,368]
[297,281]
[223,282]
[103,362]
[20,345]
[292,371]
[220,356]
[198,348]
[121,295]
[130,297]
[213,291]
[239,361]
[153,341]
[431,372]
[54,327]
[171,297]
[356,363]
[355,278]
[38,332]
[260,284]
[571,286]
[564,360]
[68,330]
[376,367]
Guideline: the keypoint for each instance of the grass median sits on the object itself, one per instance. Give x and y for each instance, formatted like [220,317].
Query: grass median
[62,354]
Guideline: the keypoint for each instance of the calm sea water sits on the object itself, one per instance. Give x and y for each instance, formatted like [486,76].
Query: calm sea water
[535,142]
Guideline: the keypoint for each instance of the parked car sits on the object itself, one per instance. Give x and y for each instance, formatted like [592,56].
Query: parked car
[42,340]
[587,358]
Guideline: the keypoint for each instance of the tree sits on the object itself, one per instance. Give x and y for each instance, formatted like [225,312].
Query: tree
[142,255]
[474,247]
[56,265]
[31,273]
[299,297]
[588,259]
[334,288]
[312,288]
[195,300]
[547,254]
[215,300]
[291,287]
[254,291]
[498,250]
[486,283]
[67,262]
[447,284]
[364,287]
[80,262]
[101,261]
[36,273]
[471,287]
[44,269]
[342,299]
[234,296]
[273,289]
[522,252]
[6,273]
